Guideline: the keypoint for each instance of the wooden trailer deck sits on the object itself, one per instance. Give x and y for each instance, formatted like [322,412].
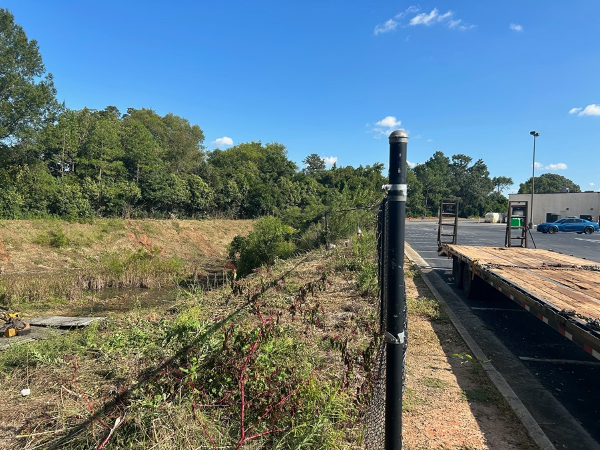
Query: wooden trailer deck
[561,290]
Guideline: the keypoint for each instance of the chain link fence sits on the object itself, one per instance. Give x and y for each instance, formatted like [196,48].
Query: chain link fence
[375,416]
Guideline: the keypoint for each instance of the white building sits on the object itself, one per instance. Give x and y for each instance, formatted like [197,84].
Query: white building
[552,206]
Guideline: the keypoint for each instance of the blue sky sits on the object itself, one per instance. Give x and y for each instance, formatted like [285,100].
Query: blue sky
[336,77]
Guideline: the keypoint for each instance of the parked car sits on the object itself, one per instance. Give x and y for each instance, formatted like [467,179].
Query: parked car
[578,225]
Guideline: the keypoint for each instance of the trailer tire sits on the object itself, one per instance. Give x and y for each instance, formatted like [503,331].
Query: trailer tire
[457,271]
[472,285]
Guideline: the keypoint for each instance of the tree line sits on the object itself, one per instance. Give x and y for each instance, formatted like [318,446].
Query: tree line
[82,164]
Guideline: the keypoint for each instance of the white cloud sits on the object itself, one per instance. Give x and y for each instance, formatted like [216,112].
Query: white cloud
[426,19]
[572,111]
[389,122]
[516,27]
[551,166]
[411,164]
[222,142]
[454,23]
[430,140]
[391,24]
[386,27]
[384,127]
[592,184]
[329,161]
[435,17]
[410,9]
[590,110]
[556,166]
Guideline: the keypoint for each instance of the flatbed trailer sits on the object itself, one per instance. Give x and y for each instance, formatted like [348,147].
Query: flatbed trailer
[562,291]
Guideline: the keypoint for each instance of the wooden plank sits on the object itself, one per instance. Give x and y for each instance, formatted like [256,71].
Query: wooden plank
[553,278]
[584,281]
[519,256]
[552,292]
[59,321]
[35,333]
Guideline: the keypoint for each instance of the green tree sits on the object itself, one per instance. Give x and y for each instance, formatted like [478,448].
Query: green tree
[11,200]
[101,155]
[435,177]
[27,94]
[501,183]
[179,142]
[472,183]
[496,202]
[141,152]
[165,193]
[70,201]
[549,183]
[313,163]
[201,199]
[249,174]
[415,201]
[37,188]
[182,144]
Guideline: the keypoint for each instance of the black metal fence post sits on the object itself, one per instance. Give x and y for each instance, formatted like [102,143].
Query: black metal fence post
[395,334]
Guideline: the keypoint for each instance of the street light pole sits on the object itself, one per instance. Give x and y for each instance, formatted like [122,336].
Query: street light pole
[535,134]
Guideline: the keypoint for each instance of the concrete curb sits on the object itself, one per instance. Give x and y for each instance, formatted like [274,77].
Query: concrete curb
[532,427]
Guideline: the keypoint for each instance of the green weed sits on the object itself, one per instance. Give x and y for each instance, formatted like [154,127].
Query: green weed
[177,226]
[410,401]
[426,307]
[435,383]
[486,395]
[55,238]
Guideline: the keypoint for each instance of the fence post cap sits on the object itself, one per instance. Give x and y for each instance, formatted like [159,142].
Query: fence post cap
[398,136]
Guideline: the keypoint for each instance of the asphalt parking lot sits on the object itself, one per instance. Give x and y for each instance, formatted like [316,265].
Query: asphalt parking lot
[541,366]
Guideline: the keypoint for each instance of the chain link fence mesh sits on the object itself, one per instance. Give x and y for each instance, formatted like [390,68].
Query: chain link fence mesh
[375,416]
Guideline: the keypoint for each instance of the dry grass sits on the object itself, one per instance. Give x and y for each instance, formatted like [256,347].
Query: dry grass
[42,246]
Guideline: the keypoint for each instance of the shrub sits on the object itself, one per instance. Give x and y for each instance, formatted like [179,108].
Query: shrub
[270,239]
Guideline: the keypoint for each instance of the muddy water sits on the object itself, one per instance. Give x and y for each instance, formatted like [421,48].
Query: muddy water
[122,300]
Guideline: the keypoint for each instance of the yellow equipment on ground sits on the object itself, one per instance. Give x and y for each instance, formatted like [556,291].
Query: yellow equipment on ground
[13,325]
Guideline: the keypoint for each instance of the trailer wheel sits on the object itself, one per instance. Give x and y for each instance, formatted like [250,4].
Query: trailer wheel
[457,272]
[472,288]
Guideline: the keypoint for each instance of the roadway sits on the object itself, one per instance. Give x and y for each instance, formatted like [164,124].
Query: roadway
[558,382]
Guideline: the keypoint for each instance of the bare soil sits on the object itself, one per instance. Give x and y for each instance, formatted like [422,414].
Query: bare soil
[449,402]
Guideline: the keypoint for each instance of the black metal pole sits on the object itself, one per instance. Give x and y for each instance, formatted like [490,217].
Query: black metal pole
[326,230]
[395,334]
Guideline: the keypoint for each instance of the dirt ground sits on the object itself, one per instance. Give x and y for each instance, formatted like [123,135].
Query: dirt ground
[449,402]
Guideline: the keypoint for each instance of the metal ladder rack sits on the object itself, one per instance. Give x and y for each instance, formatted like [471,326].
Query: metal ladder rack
[517,221]
[448,217]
